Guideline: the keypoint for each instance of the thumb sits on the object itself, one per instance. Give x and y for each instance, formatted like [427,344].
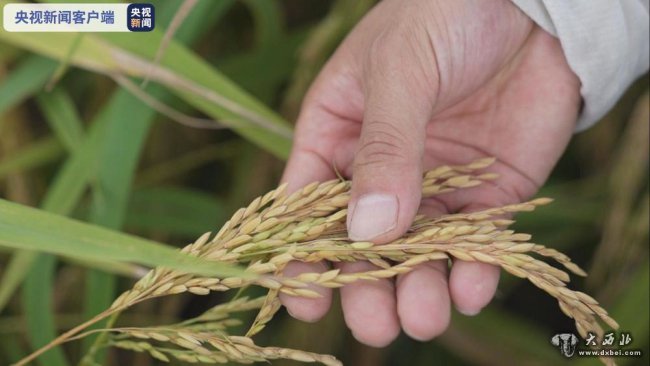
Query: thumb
[387,169]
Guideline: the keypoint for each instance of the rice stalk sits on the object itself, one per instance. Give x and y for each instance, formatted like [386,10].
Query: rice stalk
[207,347]
[309,226]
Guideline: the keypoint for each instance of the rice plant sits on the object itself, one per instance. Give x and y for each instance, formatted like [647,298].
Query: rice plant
[112,145]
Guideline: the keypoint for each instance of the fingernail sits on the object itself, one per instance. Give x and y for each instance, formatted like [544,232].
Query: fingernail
[373,215]
[468,312]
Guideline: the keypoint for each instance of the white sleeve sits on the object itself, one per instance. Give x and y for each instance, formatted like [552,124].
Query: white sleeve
[605,43]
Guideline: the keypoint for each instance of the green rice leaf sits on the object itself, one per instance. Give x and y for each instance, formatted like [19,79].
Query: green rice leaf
[27,228]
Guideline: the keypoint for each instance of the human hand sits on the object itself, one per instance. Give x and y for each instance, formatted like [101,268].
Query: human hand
[417,84]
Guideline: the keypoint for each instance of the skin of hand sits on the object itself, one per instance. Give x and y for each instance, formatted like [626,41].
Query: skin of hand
[416,84]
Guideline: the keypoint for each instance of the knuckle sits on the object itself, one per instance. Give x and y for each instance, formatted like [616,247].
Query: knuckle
[386,144]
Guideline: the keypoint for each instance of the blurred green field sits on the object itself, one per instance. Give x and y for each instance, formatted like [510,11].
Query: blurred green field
[79,137]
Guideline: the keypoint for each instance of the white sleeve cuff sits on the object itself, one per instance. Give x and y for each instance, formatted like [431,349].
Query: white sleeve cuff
[605,43]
